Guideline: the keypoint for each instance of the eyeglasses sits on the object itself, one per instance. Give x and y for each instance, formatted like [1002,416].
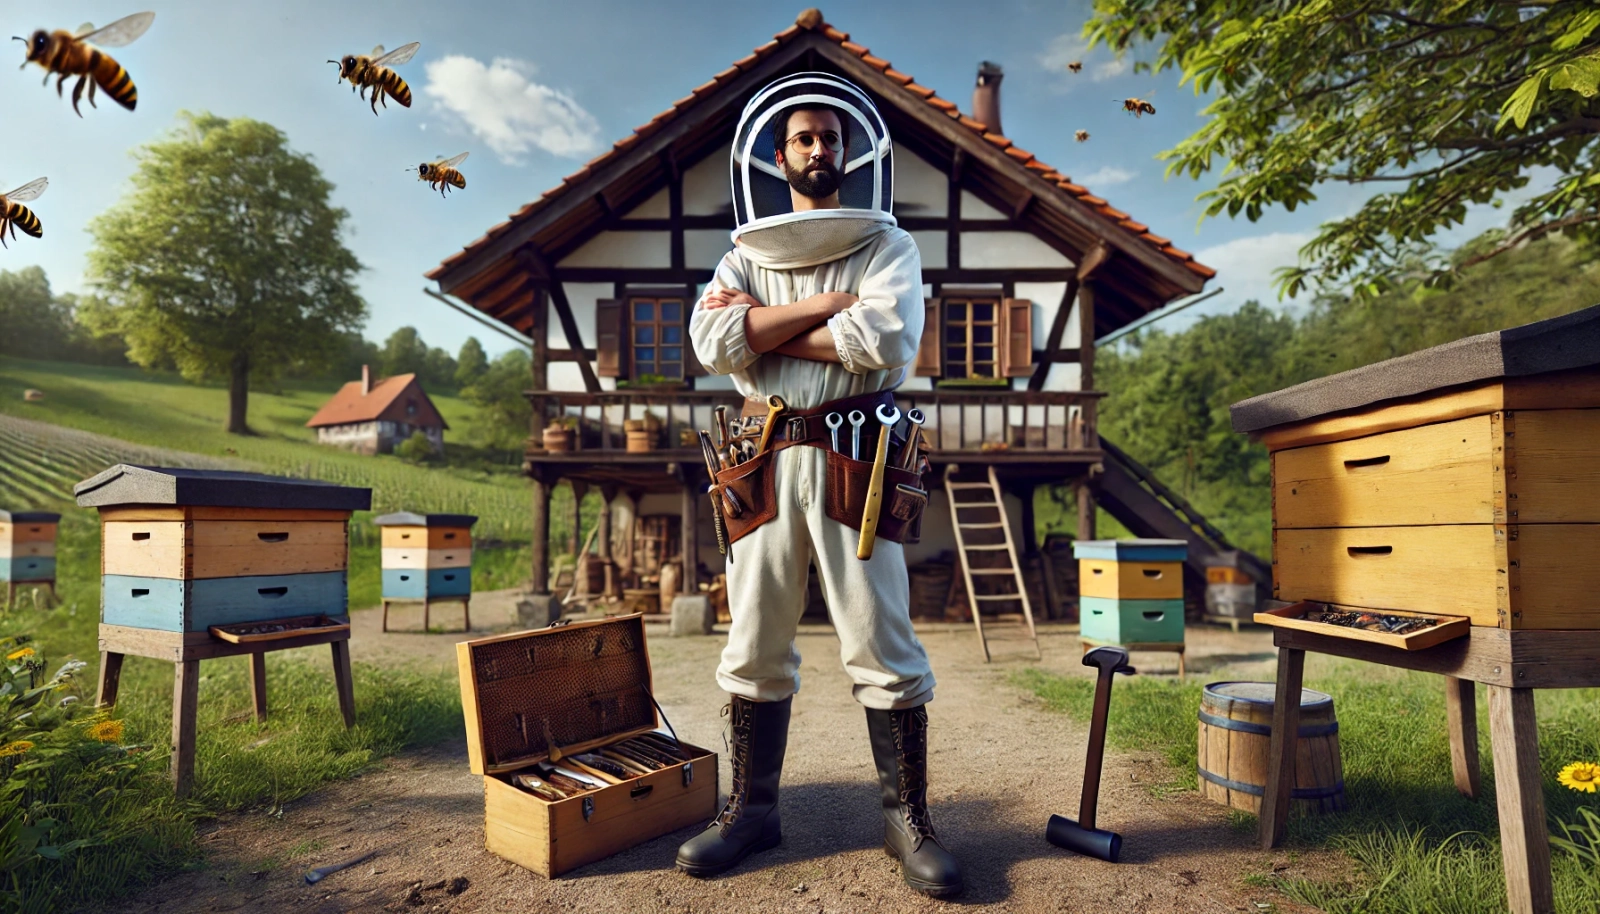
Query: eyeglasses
[803,142]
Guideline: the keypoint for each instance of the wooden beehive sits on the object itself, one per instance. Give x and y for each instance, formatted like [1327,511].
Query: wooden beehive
[426,556]
[554,693]
[28,546]
[1131,591]
[184,550]
[1461,480]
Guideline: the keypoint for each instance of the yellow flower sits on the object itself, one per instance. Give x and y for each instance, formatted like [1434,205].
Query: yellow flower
[20,653]
[106,731]
[1584,776]
[16,748]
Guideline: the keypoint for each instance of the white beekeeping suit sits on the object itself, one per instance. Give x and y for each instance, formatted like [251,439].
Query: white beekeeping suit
[784,256]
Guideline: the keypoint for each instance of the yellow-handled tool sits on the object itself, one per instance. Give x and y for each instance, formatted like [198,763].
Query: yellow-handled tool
[775,405]
[888,416]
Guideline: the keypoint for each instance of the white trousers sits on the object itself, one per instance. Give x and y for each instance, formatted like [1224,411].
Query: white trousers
[868,601]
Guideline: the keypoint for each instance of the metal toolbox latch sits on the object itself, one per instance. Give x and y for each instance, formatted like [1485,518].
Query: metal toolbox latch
[588,808]
[688,773]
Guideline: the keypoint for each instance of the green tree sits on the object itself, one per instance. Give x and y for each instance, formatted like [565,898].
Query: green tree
[1439,98]
[36,323]
[404,352]
[501,414]
[471,362]
[439,370]
[226,259]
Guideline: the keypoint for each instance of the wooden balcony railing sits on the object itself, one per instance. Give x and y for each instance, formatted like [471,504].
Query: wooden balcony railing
[959,422]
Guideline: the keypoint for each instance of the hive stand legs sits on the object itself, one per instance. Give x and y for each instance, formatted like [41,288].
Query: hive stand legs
[258,684]
[1281,752]
[1524,838]
[11,594]
[466,614]
[185,697]
[426,605]
[1461,707]
[110,678]
[385,615]
[343,683]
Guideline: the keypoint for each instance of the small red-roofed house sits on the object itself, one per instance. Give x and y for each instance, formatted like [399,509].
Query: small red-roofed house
[372,417]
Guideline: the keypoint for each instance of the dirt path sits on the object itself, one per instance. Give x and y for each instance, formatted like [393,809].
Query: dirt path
[1000,765]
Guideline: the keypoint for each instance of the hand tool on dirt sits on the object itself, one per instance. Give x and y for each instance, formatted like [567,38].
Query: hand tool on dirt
[833,421]
[775,405]
[721,413]
[1081,836]
[887,416]
[857,417]
[317,875]
[908,451]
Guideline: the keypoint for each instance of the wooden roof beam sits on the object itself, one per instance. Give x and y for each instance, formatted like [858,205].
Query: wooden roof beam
[569,325]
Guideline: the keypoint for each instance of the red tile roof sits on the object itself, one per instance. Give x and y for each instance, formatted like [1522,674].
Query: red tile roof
[382,402]
[811,20]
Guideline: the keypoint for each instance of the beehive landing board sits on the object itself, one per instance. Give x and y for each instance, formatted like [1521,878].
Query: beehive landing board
[1560,343]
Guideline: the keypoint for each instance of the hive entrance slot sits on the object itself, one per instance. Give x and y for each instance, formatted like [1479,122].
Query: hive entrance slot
[138,537]
[1152,572]
[141,591]
[1359,551]
[1154,616]
[1366,462]
[272,593]
[272,537]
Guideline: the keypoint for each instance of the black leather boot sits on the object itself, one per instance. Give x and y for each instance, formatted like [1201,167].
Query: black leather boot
[748,824]
[900,747]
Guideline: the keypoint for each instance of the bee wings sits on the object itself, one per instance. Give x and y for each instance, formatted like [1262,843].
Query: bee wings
[117,33]
[451,163]
[396,57]
[28,191]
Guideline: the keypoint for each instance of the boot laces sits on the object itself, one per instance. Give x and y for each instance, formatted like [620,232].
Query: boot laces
[910,729]
[741,724]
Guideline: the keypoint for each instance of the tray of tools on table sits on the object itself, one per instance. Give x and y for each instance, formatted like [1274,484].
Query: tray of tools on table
[584,772]
[1408,631]
[275,629]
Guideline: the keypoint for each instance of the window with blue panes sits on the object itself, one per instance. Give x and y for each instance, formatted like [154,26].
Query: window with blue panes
[658,337]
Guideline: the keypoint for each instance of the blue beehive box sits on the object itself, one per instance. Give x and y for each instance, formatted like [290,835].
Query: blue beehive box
[1131,621]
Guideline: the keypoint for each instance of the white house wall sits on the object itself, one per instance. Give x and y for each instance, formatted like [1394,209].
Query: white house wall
[707,189]
[1008,250]
[973,208]
[657,207]
[703,248]
[920,189]
[934,248]
[623,249]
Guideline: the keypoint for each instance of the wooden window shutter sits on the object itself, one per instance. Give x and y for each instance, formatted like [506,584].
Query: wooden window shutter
[1016,338]
[610,337]
[930,352]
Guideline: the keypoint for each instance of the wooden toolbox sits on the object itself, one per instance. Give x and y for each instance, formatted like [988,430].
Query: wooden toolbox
[28,546]
[1460,480]
[555,693]
[426,556]
[184,550]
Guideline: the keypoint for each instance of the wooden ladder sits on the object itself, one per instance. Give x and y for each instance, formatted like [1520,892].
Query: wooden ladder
[1023,619]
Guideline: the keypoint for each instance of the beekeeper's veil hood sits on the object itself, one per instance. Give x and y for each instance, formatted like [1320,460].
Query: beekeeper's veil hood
[769,231]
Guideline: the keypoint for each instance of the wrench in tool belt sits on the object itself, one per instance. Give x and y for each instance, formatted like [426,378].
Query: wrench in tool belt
[857,417]
[888,416]
[713,464]
[775,405]
[908,451]
[833,421]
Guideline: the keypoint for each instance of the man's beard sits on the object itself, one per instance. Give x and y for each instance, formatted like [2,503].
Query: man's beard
[817,182]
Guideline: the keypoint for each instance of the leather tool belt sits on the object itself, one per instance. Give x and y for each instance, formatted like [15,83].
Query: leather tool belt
[753,483]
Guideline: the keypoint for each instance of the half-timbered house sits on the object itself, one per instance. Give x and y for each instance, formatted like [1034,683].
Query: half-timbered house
[1024,269]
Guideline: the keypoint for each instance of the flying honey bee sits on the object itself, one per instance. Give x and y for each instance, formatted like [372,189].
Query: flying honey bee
[67,54]
[1076,66]
[442,175]
[1138,107]
[372,71]
[1081,135]
[14,215]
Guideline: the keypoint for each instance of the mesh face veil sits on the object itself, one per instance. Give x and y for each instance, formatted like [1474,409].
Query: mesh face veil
[768,226]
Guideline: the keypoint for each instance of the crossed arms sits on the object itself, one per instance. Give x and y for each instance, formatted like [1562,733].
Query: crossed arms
[799,330]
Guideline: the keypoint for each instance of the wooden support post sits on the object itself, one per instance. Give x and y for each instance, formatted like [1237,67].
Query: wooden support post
[258,684]
[688,538]
[1461,707]
[343,682]
[185,698]
[541,536]
[1086,511]
[1524,835]
[575,539]
[1281,750]
[110,678]
[1086,336]
[607,493]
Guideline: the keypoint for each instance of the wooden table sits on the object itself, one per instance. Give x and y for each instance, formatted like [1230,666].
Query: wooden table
[1510,664]
[186,650]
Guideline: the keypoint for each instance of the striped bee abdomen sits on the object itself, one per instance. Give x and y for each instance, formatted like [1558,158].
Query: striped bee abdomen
[397,88]
[116,82]
[24,219]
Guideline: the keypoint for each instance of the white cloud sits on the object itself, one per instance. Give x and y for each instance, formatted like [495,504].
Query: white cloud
[1109,70]
[1107,176]
[1064,49]
[1245,266]
[1071,48]
[508,111]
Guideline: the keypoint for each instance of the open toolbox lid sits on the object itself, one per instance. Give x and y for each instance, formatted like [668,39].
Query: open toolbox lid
[575,686]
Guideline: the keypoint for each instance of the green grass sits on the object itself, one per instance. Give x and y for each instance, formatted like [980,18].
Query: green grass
[1418,844]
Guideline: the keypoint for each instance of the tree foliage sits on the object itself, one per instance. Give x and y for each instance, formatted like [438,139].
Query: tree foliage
[501,414]
[1456,102]
[471,362]
[40,324]
[225,259]
[405,352]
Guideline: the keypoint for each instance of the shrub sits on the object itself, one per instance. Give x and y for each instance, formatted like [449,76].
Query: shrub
[416,449]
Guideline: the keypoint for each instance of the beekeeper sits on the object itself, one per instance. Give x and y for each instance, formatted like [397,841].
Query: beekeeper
[820,302]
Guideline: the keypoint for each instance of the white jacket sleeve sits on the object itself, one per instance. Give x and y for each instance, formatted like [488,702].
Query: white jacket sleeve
[718,335]
[881,332]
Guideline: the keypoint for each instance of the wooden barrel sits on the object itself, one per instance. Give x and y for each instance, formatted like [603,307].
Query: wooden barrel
[1236,732]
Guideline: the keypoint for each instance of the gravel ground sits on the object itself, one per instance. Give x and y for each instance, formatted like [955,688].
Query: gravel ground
[1000,764]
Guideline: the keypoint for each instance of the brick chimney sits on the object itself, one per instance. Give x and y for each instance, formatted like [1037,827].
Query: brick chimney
[986,96]
[366,380]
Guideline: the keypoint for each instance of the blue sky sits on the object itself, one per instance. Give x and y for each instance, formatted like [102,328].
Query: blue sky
[534,89]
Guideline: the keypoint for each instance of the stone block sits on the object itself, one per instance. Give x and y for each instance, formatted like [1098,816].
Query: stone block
[692,614]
